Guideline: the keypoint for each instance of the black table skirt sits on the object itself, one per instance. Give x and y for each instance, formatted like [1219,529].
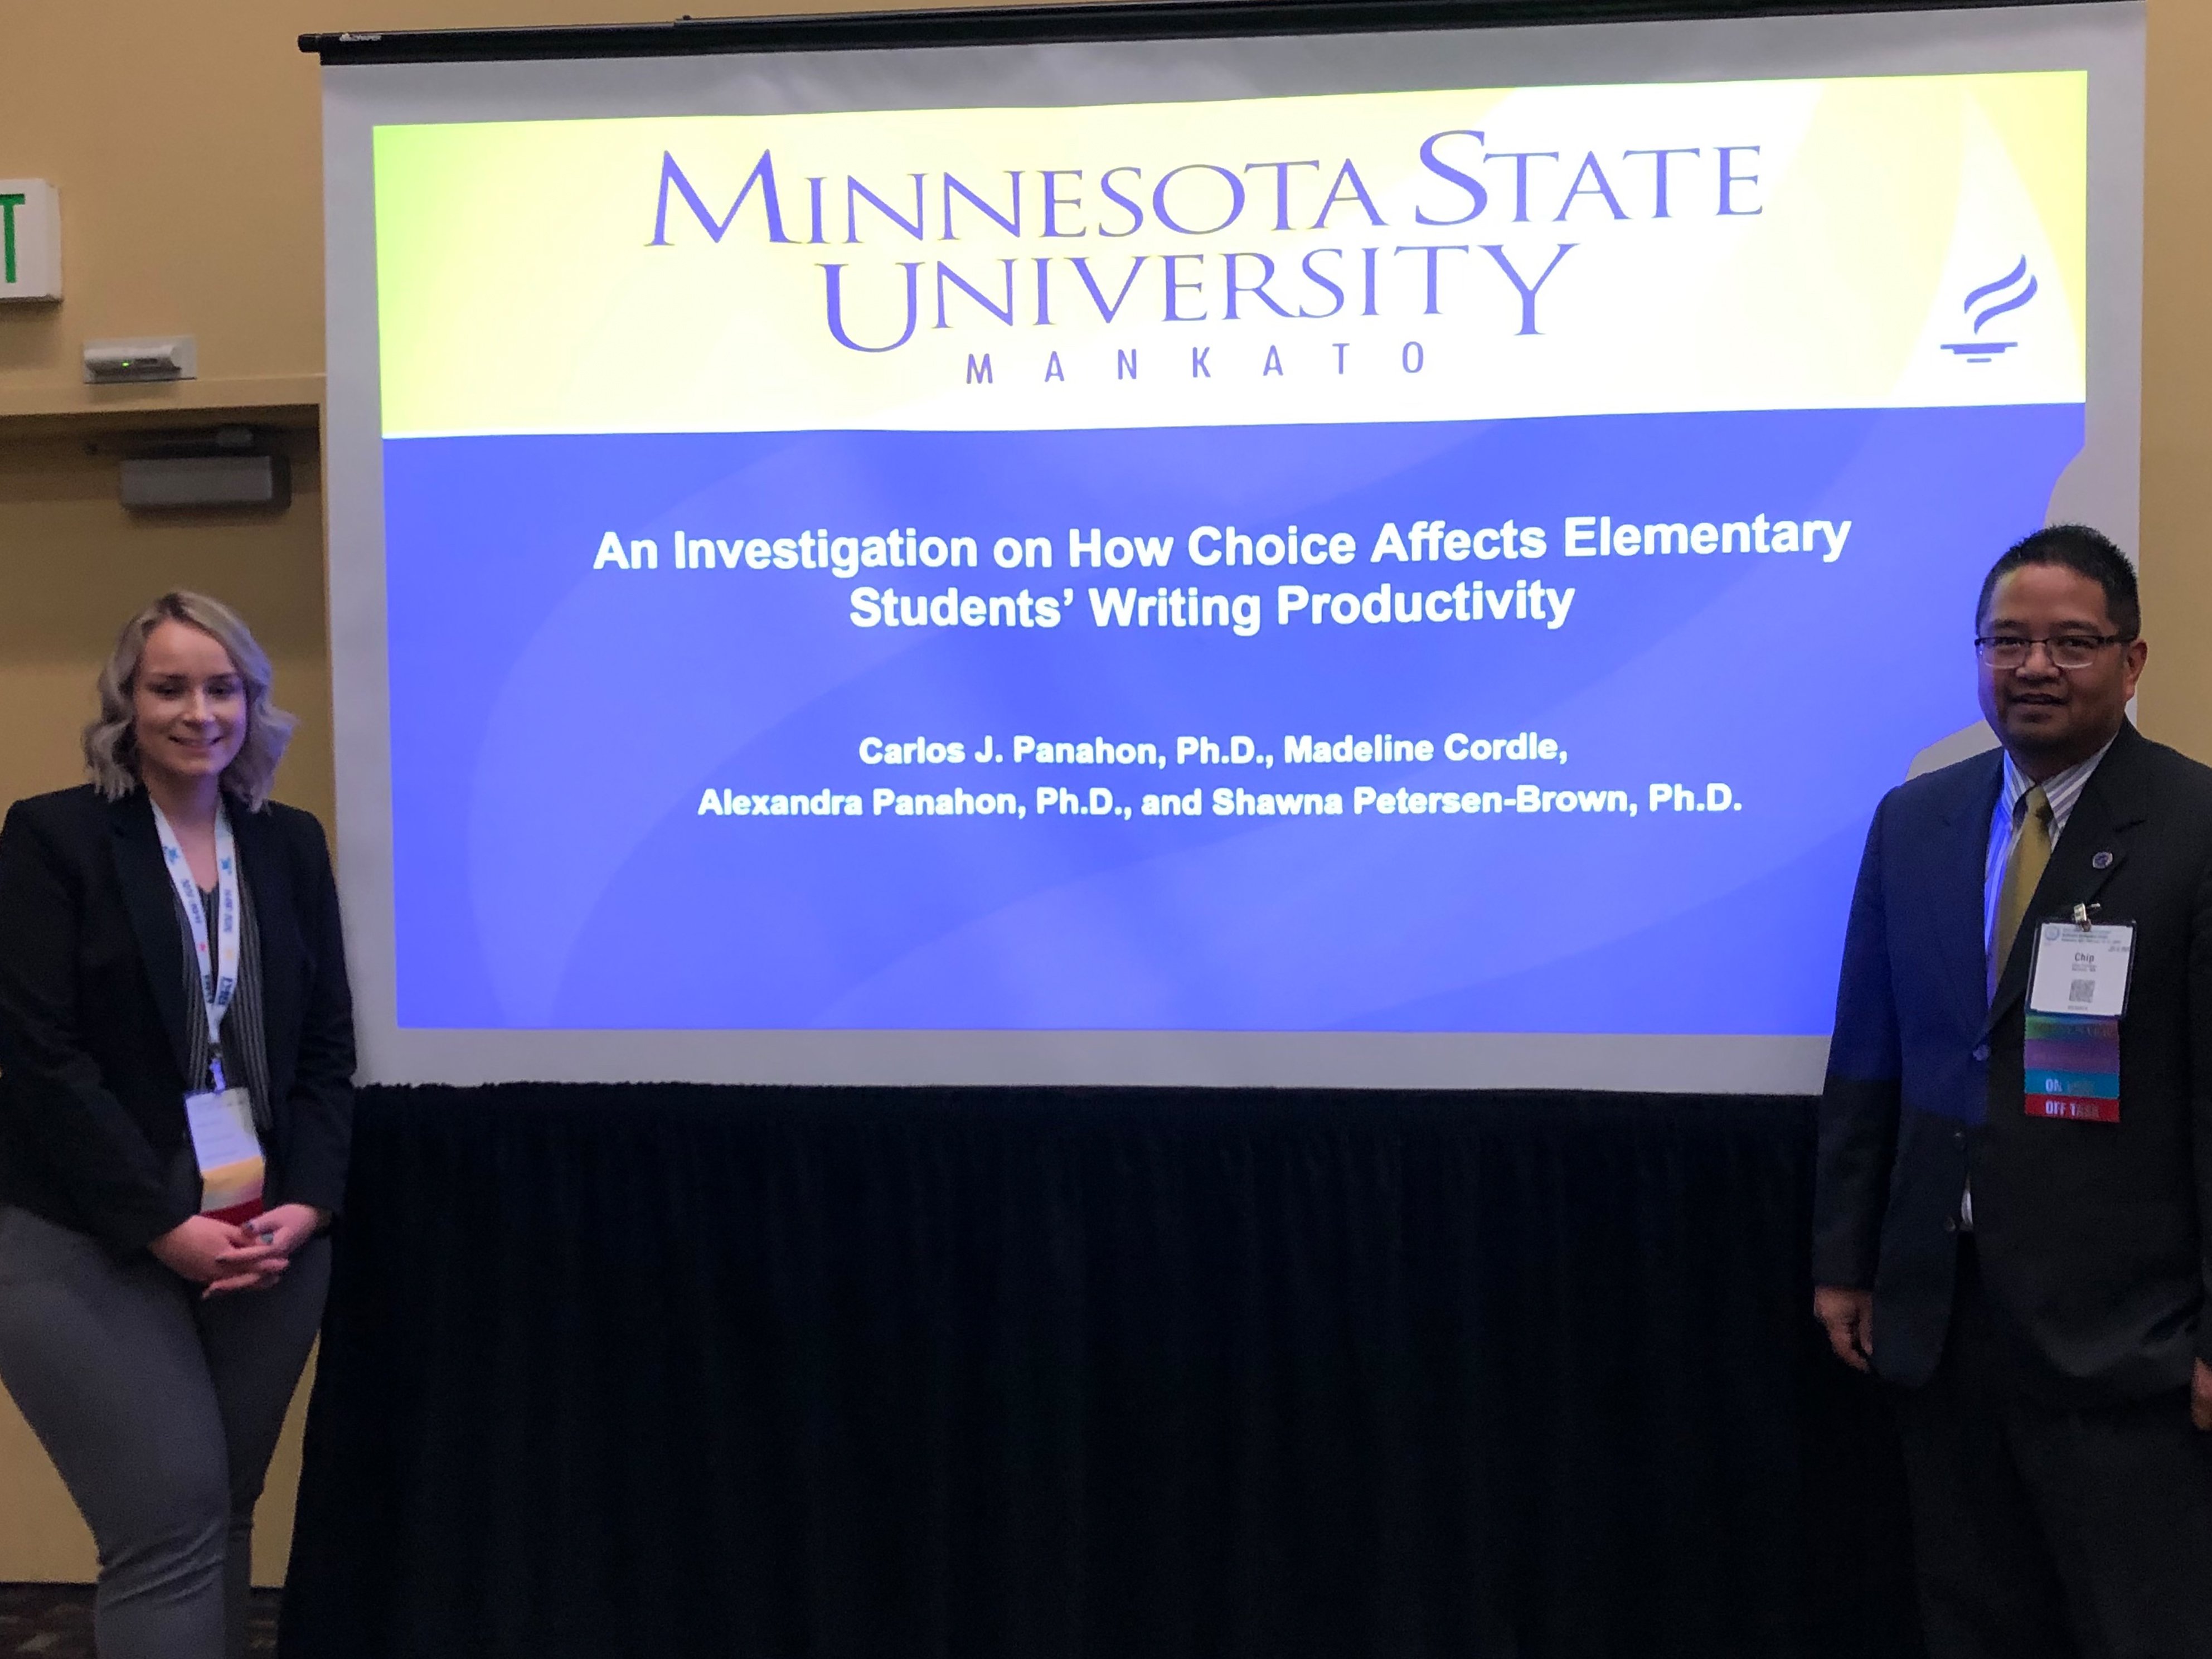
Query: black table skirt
[861,1374]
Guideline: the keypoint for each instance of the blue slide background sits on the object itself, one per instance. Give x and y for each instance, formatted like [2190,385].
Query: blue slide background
[552,729]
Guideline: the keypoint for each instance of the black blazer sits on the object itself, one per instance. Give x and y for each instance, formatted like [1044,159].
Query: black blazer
[2091,1237]
[93,1033]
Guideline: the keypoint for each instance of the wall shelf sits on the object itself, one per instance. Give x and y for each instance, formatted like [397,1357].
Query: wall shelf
[236,394]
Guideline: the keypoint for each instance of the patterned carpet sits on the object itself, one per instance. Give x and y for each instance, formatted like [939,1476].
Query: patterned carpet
[54,1621]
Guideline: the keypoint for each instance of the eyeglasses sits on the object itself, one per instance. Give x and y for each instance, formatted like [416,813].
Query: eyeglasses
[2066,651]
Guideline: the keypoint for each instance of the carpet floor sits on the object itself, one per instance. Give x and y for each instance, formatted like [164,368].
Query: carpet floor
[54,1621]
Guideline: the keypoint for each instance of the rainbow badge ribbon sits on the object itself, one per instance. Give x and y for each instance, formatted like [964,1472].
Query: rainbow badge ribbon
[2073,1067]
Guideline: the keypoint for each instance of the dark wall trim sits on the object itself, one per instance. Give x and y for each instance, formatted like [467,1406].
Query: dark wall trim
[1142,20]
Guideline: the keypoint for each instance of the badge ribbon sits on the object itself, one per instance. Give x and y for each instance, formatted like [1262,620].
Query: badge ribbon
[2073,1067]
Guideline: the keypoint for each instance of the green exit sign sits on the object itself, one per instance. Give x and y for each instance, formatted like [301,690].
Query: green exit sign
[30,240]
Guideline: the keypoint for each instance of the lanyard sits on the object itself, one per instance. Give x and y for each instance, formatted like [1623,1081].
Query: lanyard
[218,968]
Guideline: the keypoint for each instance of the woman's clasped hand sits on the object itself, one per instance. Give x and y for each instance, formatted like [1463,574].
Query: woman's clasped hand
[224,1256]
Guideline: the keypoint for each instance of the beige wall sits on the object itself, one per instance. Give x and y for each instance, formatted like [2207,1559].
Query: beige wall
[184,140]
[2177,458]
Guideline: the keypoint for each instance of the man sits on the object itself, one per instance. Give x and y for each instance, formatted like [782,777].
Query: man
[2023,1254]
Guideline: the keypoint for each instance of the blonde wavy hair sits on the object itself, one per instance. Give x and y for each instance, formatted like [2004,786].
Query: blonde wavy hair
[111,744]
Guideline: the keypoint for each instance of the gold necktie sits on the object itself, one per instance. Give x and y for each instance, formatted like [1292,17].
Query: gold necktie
[2024,863]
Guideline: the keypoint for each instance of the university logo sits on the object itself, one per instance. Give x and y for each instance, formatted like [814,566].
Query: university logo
[2004,295]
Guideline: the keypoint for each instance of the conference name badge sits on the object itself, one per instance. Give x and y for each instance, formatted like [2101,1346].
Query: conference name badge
[2077,991]
[229,1152]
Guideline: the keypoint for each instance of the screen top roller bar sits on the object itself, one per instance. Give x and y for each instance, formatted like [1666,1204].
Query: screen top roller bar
[1148,19]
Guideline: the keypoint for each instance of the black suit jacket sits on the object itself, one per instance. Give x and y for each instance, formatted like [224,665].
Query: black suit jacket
[2092,1237]
[93,1014]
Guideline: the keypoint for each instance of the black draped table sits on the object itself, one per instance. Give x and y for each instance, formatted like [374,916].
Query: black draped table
[1051,1374]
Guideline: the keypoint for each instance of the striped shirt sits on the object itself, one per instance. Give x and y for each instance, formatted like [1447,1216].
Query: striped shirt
[245,1040]
[2063,790]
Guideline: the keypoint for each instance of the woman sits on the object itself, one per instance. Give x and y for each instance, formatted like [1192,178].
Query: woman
[176,1057]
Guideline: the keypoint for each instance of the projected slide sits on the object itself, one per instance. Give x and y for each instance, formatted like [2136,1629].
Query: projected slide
[1421,561]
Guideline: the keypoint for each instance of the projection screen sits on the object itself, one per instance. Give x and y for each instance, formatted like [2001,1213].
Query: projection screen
[1402,556]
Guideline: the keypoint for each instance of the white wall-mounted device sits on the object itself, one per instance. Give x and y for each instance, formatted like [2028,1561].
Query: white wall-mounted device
[123,362]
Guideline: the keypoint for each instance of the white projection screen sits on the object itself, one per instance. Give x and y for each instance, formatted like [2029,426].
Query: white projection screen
[1126,547]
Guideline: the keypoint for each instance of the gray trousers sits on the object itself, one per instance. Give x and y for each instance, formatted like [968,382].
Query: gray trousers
[160,1411]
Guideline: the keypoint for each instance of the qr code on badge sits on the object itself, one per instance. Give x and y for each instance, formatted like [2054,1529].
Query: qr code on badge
[2082,990]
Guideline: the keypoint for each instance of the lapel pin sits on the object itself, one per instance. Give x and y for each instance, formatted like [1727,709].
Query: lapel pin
[2102,861]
